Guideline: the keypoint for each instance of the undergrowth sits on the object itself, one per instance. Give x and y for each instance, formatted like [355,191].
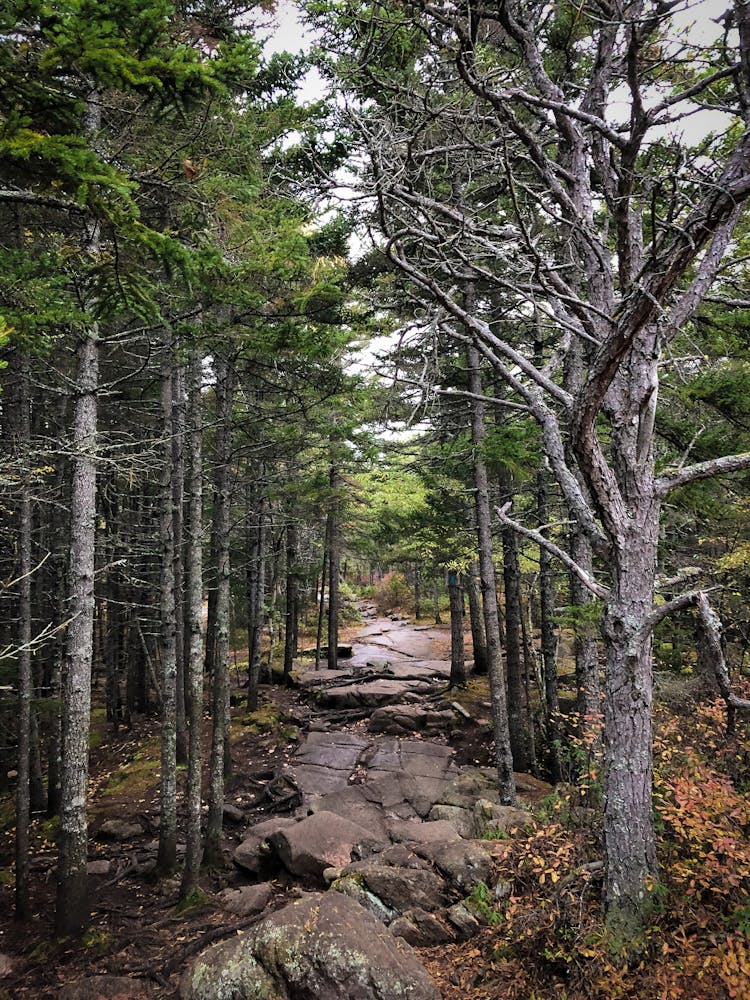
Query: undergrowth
[549,939]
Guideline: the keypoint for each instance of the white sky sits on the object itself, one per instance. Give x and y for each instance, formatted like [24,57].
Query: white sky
[290,35]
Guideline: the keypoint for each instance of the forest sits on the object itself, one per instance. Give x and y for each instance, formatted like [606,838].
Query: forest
[375,499]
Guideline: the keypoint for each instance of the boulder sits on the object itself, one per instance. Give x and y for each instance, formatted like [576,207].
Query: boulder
[232,813]
[119,829]
[321,946]
[395,856]
[323,840]
[253,854]
[399,719]
[409,831]
[472,784]
[401,889]
[360,804]
[421,929]
[354,886]
[371,694]
[461,917]
[492,819]
[464,863]
[247,900]
[99,867]
[460,818]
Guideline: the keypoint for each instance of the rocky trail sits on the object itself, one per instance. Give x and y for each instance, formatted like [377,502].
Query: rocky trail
[355,845]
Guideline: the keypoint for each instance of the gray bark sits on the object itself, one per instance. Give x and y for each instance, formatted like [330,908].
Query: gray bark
[513,666]
[503,751]
[256,600]
[334,561]
[321,599]
[548,633]
[220,685]
[476,619]
[72,912]
[194,602]
[167,854]
[178,573]
[585,643]
[292,590]
[25,678]
[458,664]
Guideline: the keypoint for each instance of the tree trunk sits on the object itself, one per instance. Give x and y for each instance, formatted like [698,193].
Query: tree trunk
[503,753]
[256,598]
[178,573]
[322,598]
[529,660]
[290,632]
[194,595]
[512,588]
[54,748]
[586,646]
[417,593]
[548,635]
[220,687]
[72,913]
[167,854]
[476,618]
[334,560]
[629,841]
[25,678]
[458,664]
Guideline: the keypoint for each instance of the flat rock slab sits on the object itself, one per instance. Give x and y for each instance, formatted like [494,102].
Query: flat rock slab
[325,761]
[371,694]
[358,804]
[420,669]
[323,946]
[396,779]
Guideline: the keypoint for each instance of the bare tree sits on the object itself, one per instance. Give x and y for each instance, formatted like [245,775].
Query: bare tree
[587,220]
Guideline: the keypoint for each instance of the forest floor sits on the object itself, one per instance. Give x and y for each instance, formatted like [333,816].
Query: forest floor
[545,941]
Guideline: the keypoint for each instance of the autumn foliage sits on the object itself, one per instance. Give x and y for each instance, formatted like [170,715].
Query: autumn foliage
[550,940]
